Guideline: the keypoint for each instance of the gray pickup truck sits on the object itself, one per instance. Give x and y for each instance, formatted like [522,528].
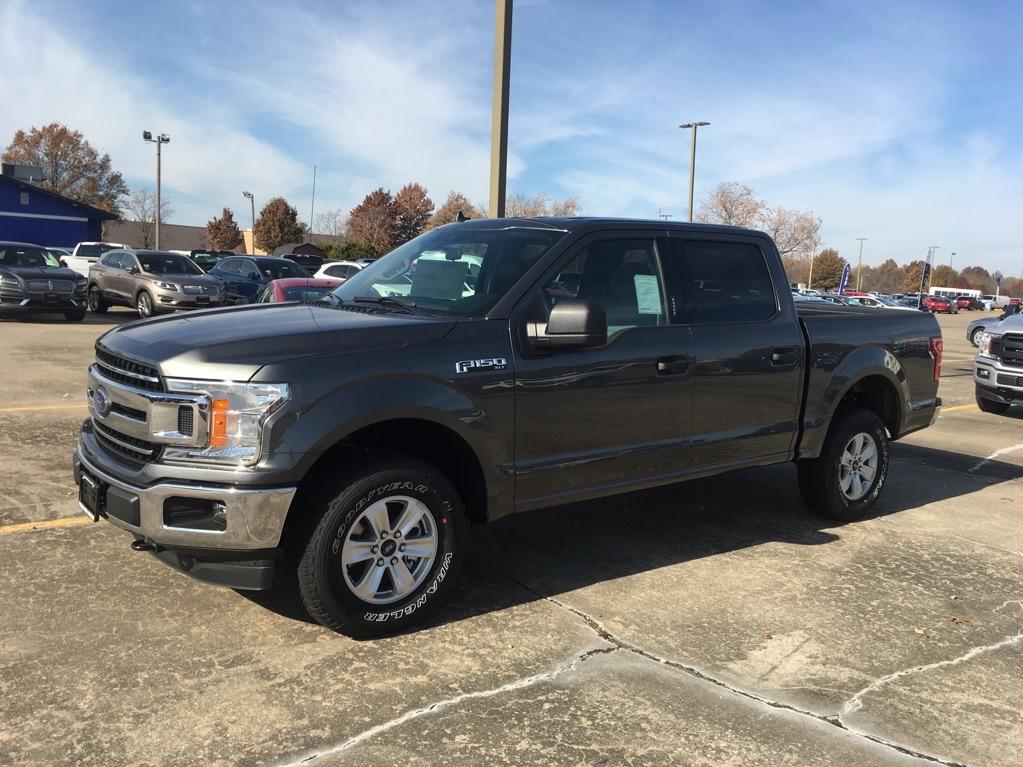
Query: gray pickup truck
[344,446]
[998,368]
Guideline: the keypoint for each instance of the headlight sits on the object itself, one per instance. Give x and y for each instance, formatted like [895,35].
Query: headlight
[985,345]
[236,416]
[167,286]
[9,279]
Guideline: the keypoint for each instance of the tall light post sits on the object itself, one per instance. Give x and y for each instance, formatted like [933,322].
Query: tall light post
[312,207]
[692,161]
[499,117]
[163,138]
[859,268]
[252,200]
[950,257]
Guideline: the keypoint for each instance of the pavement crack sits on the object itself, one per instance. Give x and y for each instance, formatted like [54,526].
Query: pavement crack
[445,703]
[834,720]
[855,703]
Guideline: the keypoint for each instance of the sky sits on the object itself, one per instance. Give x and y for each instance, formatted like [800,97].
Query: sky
[899,122]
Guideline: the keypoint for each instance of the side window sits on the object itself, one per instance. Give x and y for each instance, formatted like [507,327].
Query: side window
[248,269]
[229,265]
[110,260]
[725,282]
[266,296]
[128,261]
[623,276]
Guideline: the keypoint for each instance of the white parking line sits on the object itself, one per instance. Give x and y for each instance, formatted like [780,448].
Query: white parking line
[1003,451]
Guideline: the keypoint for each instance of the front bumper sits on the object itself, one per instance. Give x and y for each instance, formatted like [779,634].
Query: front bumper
[167,301]
[253,517]
[998,381]
[40,303]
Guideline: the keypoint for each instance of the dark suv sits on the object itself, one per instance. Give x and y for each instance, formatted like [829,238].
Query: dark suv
[32,280]
[152,281]
[244,277]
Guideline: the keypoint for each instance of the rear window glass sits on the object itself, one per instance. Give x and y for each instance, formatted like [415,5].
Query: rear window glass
[725,282]
[277,270]
[300,293]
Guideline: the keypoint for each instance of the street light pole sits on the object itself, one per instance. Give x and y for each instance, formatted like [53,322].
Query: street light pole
[692,162]
[499,118]
[312,207]
[859,268]
[252,200]
[950,257]
[163,138]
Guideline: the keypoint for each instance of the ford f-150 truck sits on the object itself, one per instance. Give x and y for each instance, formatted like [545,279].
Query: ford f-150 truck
[998,368]
[345,445]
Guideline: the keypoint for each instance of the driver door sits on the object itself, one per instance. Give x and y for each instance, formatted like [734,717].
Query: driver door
[608,418]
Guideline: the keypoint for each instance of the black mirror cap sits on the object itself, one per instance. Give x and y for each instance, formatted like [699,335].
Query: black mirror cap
[572,322]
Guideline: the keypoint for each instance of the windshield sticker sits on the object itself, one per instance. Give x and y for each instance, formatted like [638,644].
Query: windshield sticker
[439,279]
[648,294]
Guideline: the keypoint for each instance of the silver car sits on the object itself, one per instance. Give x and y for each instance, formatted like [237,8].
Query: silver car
[152,281]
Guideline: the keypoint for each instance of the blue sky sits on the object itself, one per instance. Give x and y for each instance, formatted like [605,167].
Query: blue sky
[899,122]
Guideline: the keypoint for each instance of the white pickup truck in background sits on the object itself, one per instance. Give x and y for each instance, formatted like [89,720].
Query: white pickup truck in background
[86,254]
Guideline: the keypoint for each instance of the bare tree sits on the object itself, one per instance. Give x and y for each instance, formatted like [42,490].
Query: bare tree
[732,204]
[140,205]
[455,203]
[521,206]
[332,223]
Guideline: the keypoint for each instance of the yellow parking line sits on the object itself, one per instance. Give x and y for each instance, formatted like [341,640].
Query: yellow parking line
[33,408]
[957,408]
[63,522]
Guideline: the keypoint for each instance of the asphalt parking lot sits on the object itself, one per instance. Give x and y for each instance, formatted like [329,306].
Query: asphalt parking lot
[716,622]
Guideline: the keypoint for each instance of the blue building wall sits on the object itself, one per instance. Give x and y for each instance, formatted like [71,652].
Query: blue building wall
[45,219]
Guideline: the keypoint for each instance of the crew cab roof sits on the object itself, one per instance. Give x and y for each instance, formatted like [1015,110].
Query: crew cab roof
[576,223]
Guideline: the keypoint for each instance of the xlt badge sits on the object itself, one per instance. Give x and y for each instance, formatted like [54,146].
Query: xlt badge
[491,363]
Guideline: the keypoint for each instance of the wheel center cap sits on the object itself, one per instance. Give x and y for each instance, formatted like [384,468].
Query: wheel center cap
[388,547]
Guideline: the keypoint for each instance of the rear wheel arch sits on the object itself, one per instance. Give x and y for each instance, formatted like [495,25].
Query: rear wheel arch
[878,394]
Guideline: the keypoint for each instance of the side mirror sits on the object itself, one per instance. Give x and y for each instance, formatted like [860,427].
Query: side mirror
[133,270]
[254,277]
[573,322]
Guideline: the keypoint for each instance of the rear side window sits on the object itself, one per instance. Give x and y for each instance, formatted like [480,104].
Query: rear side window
[725,282]
[230,265]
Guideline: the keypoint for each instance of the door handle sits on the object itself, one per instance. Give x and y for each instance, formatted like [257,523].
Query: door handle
[671,366]
[785,356]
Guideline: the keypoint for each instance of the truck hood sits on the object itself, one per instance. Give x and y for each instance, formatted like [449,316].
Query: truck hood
[234,343]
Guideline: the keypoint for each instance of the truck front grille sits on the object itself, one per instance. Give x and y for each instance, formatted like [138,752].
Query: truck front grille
[129,372]
[1010,349]
[131,449]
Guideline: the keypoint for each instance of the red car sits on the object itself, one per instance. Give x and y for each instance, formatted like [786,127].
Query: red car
[968,303]
[297,289]
[940,304]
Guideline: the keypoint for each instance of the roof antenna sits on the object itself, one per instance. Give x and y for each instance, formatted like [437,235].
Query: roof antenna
[461,217]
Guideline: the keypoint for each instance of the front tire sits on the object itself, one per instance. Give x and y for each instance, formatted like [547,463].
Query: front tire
[75,316]
[387,548]
[847,478]
[144,305]
[975,336]
[991,405]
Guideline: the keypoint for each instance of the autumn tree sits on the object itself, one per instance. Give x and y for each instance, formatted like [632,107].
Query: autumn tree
[332,224]
[945,276]
[140,206]
[732,204]
[277,224]
[886,278]
[455,203]
[373,222]
[521,206]
[412,210]
[72,166]
[827,269]
[223,233]
[977,278]
[912,275]
[795,232]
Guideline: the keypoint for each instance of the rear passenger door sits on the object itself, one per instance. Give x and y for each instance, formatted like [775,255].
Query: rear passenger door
[228,272]
[748,350]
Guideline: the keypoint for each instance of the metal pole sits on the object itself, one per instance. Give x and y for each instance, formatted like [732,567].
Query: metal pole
[312,207]
[692,171]
[809,280]
[158,143]
[859,268]
[499,121]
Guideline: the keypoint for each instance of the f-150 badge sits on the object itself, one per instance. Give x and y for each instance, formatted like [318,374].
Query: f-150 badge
[492,363]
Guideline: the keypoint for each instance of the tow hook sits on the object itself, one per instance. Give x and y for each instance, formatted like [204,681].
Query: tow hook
[141,544]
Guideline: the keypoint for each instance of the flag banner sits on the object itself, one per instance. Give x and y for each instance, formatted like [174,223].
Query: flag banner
[845,280]
[925,277]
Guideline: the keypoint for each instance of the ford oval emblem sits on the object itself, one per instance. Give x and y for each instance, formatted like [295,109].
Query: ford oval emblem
[101,400]
[49,284]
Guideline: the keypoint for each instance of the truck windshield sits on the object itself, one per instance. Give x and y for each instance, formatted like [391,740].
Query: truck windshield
[455,269]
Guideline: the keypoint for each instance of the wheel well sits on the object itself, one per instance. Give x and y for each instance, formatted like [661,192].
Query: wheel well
[879,395]
[426,440]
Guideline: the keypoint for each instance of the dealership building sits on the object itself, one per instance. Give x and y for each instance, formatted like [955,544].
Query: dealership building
[29,213]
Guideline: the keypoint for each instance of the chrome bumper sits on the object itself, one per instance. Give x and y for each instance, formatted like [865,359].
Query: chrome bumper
[1001,382]
[254,516]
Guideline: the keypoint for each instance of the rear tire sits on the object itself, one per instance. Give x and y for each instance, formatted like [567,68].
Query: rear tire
[353,576]
[96,303]
[847,478]
[991,405]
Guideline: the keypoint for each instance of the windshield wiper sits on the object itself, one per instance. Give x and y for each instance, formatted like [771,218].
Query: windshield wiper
[391,303]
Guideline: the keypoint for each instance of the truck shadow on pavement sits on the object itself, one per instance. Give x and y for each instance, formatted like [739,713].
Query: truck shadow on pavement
[534,555]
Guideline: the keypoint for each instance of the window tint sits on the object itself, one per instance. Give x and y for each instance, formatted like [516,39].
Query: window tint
[109,260]
[277,270]
[725,282]
[230,265]
[623,276]
[248,269]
